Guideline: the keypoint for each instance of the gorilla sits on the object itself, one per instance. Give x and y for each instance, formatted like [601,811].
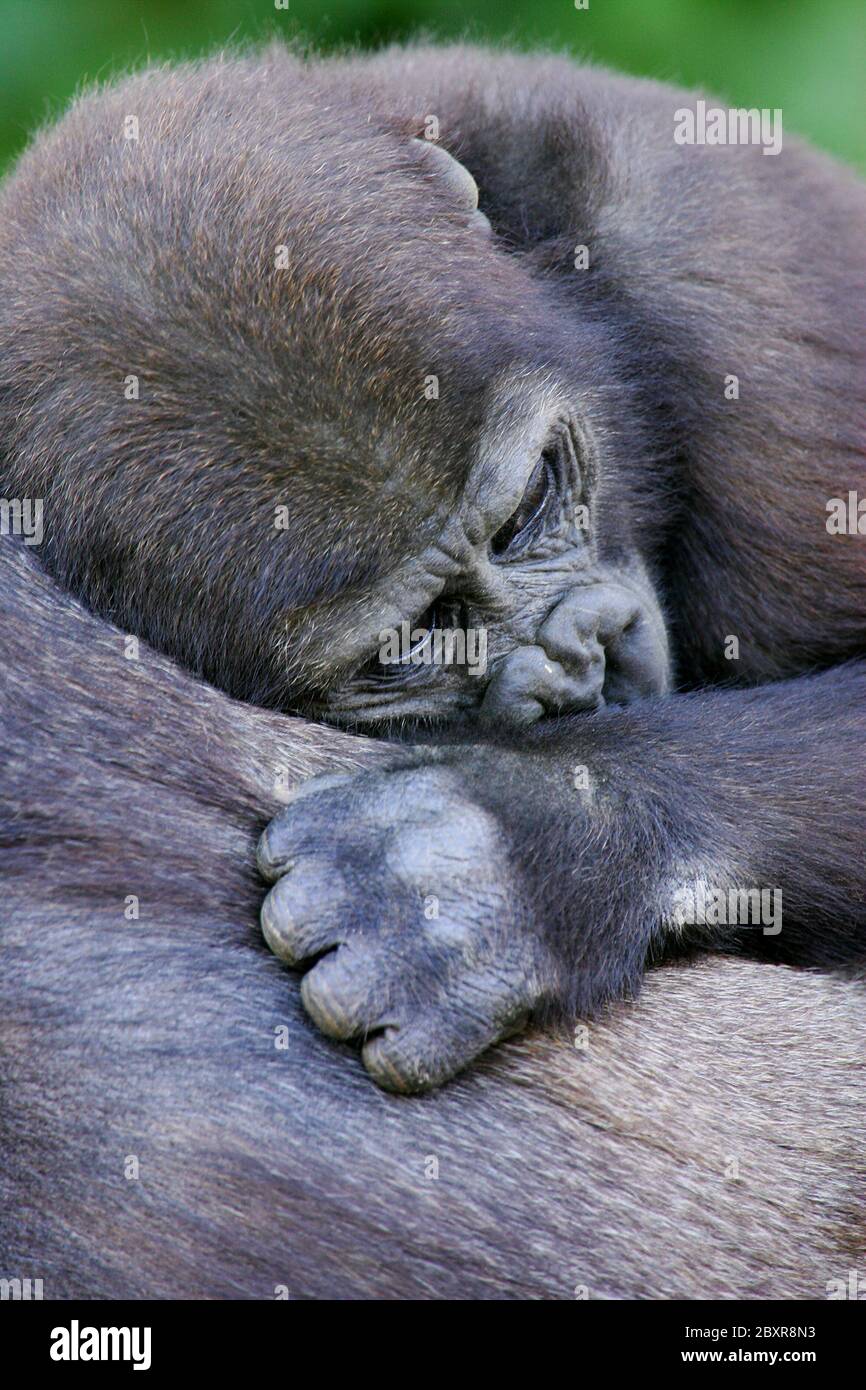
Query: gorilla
[294,352]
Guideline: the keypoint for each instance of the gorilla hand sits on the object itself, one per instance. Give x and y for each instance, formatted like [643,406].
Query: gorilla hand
[395,888]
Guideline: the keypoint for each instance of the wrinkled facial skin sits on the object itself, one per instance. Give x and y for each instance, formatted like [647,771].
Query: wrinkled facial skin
[512,614]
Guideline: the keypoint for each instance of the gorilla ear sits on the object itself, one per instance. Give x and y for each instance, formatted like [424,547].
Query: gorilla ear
[458,181]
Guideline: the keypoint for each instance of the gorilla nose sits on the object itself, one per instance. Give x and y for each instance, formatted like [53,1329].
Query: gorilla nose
[599,644]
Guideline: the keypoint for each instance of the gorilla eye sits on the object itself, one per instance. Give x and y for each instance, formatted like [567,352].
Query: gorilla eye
[527,522]
[411,662]
[414,663]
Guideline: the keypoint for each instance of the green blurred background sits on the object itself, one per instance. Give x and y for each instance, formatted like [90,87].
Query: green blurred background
[806,56]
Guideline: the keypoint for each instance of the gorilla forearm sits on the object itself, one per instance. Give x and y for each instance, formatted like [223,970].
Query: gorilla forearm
[130,752]
[762,789]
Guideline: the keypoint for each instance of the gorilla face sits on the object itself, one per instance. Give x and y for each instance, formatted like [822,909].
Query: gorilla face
[512,613]
[529,597]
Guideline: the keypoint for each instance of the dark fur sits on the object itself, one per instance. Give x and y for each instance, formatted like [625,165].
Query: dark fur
[131,778]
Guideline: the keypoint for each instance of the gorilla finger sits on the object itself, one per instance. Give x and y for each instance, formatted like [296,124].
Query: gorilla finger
[514,694]
[276,853]
[369,802]
[273,856]
[591,614]
[454,175]
[325,781]
[305,912]
[433,1047]
[530,683]
[293,831]
[637,661]
[350,993]
[480,222]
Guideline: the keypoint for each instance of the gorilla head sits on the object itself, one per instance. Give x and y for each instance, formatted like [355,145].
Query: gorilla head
[283,393]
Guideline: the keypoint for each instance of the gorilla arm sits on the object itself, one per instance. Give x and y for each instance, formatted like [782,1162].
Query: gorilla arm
[446,901]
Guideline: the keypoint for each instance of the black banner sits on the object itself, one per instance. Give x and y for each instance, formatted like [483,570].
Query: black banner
[155,1338]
